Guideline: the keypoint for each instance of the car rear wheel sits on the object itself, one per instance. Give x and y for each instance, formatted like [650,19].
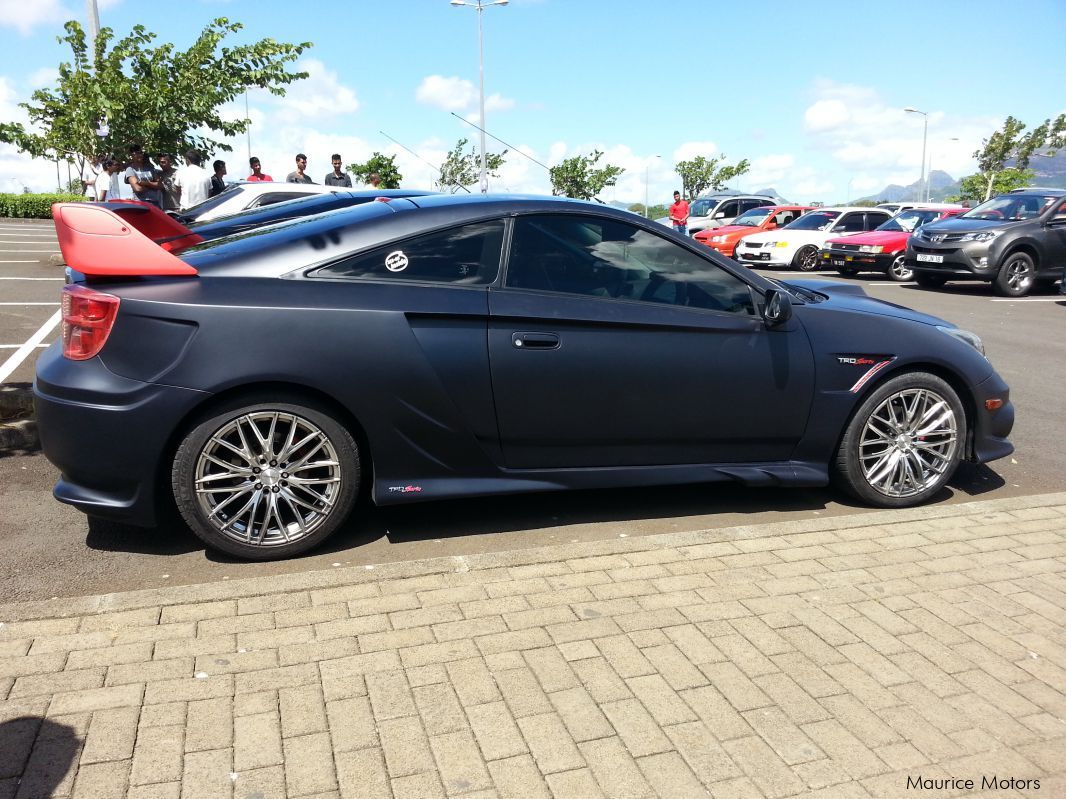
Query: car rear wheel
[903,443]
[266,480]
[899,271]
[927,281]
[806,259]
[1016,277]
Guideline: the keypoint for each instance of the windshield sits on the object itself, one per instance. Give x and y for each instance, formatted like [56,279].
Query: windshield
[702,207]
[753,218]
[909,221]
[813,220]
[1010,207]
[211,202]
[279,210]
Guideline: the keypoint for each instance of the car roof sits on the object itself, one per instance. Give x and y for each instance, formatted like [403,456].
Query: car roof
[845,208]
[1048,192]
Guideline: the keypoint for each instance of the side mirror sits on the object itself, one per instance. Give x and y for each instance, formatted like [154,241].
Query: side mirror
[777,309]
[719,215]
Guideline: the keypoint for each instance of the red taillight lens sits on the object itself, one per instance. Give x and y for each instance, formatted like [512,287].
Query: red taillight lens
[87,319]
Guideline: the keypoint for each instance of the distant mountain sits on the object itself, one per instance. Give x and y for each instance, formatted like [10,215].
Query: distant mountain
[941,185]
[773,193]
[1050,172]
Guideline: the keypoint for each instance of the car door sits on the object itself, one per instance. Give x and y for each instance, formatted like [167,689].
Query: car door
[848,225]
[610,345]
[1055,238]
[873,219]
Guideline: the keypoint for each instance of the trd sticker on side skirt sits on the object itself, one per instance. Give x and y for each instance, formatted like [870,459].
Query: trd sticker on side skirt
[405,489]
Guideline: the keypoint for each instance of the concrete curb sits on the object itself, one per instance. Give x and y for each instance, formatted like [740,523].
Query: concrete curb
[277,584]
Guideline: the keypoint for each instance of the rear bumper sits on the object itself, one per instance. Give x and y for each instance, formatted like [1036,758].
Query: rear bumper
[107,435]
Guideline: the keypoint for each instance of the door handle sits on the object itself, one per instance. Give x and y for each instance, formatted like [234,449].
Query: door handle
[535,341]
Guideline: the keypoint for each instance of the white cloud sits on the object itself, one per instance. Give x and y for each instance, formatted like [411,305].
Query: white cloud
[689,150]
[826,115]
[47,76]
[320,96]
[24,17]
[447,94]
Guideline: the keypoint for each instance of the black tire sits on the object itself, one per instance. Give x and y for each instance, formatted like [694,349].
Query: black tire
[319,499]
[806,259]
[1016,276]
[873,447]
[898,271]
[928,281]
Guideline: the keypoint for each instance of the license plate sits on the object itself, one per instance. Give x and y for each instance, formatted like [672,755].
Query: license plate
[764,256]
[931,259]
[838,262]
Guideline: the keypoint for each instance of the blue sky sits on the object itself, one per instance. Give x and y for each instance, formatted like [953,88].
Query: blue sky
[811,93]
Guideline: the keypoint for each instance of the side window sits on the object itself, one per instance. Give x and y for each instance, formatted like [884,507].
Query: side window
[467,255]
[784,217]
[276,197]
[728,210]
[873,220]
[1059,214]
[747,205]
[606,258]
[850,223]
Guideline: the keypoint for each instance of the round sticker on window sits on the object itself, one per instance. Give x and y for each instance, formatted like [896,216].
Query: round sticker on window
[396,261]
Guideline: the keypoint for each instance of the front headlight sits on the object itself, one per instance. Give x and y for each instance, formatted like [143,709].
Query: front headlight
[984,235]
[871,248]
[964,335]
[780,243]
[717,239]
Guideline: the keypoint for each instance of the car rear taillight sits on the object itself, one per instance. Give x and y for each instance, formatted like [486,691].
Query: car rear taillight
[87,319]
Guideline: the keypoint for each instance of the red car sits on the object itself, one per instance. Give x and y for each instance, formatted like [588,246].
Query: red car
[882,249]
[770,217]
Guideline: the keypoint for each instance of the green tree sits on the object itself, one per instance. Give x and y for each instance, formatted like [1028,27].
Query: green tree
[464,169]
[576,177]
[162,98]
[1011,143]
[652,212]
[384,165]
[701,174]
[976,189]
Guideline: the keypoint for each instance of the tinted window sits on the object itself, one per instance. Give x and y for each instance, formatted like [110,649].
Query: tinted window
[850,223]
[729,210]
[702,207]
[469,255]
[747,205]
[753,218]
[814,220]
[213,202]
[908,221]
[1010,206]
[873,220]
[278,197]
[606,258]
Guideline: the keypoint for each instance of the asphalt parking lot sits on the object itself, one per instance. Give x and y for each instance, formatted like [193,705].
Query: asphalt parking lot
[58,553]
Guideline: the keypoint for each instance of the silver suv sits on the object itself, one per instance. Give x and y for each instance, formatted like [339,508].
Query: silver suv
[717,210]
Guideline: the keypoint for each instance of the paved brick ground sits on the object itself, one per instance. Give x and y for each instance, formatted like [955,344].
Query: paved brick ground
[832,658]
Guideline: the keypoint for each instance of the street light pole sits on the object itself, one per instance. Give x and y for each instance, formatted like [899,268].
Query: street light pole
[647,210]
[923,188]
[480,6]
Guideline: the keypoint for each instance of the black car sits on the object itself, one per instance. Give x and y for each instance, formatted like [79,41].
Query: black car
[1015,241]
[464,346]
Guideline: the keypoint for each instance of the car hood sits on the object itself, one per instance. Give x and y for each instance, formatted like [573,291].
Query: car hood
[956,225]
[886,238]
[727,229]
[853,297]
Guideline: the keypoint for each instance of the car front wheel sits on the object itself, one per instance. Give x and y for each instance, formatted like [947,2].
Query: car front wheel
[899,271]
[266,480]
[806,259]
[1016,277]
[903,443]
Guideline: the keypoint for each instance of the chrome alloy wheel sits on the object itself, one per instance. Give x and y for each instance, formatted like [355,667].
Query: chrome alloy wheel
[898,271]
[267,478]
[1019,274]
[908,442]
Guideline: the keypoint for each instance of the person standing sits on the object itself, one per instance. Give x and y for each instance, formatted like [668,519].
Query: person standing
[142,178]
[298,176]
[218,182]
[170,192]
[336,177]
[192,181]
[374,179]
[257,175]
[90,171]
[679,214]
[107,181]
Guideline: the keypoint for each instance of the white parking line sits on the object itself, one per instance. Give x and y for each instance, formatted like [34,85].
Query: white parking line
[1030,299]
[16,359]
[18,262]
[29,303]
[31,278]
[16,346]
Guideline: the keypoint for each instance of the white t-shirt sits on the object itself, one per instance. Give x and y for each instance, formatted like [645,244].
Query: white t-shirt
[195,184]
[120,189]
[103,184]
[89,174]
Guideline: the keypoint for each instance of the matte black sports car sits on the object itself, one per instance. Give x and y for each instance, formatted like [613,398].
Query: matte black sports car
[461,346]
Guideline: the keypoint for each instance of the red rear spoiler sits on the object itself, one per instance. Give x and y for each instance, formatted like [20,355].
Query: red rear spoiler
[114,239]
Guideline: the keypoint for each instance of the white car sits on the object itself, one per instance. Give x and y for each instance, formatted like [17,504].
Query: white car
[241,196]
[797,243]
